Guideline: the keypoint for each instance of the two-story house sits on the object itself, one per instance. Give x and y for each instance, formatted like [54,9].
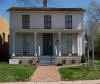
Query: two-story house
[46,34]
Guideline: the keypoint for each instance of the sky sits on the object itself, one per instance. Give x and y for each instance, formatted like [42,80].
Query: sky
[52,3]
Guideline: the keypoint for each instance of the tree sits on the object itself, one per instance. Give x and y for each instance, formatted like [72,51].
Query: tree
[97,43]
[93,15]
[22,2]
[26,3]
[93,12]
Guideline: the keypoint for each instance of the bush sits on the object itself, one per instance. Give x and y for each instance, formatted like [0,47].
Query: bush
[84,66]
[20,61]
[10,56]
[73,61]
[34,63]
[64,61]
[30,61]
[83,59]
[59,64]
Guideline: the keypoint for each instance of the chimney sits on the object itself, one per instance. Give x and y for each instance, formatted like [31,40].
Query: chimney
[45,3]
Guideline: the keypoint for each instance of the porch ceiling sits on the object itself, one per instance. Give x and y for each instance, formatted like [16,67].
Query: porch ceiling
[47,30]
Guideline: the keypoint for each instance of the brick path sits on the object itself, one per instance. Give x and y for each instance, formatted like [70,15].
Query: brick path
[60,82]
[46,74]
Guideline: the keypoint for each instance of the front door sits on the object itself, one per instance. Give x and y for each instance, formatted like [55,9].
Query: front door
[47,44]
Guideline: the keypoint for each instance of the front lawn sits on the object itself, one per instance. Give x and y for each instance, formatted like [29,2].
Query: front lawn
[77,73]
[15,73]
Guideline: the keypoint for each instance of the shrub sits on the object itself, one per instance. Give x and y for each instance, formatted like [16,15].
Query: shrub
[73,61]
[34,63]
[30,61]
[83,59]
[59,64]
[10,56]
[84,66]
[64,61]
[20,61]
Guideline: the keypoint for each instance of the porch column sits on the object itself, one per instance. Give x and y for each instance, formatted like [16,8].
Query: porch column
[13,44]
[59,34]
[78,44]
[35,45]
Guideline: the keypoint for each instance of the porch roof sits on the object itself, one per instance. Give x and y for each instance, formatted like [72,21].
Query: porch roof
[47,30]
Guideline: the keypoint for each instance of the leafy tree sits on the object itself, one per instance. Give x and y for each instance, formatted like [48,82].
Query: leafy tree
[93,15]
[97,43]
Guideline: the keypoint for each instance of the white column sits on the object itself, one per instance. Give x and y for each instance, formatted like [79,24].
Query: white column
[83,42]
[13,44]
[39,51]
[78,44]
[56,53]
[73,43]
[59,34]
[35,44]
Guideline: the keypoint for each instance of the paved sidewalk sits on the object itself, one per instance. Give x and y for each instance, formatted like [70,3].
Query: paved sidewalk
[61,82]
[46,74]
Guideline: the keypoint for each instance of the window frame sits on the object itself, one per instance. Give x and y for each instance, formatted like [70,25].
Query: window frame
[25,22]
[47,21]
[68,21]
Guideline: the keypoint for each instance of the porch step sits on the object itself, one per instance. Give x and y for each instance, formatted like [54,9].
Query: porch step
[47,60]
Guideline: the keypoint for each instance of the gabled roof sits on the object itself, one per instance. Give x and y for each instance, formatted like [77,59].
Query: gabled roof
[44,9]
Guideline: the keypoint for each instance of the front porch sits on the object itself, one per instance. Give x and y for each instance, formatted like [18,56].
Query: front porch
[28,44]
[48,60]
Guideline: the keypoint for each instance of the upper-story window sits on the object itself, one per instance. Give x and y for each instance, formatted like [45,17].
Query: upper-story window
[47,22]
[68,21]
[25,21]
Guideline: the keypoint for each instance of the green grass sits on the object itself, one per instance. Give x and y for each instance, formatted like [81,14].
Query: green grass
[77,73]
[15,73]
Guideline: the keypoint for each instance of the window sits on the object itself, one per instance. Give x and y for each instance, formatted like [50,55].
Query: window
[69,43]
[47,22]
[25,21]
[68,21]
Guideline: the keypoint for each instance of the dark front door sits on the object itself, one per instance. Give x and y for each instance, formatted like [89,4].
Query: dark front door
[47,44]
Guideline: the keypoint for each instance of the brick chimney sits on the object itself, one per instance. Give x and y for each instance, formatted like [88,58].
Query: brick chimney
[45,3]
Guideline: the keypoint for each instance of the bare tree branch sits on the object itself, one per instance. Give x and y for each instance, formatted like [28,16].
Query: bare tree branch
[93,12]
[25,3]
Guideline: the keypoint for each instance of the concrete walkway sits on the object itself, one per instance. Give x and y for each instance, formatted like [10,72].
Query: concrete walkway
[46,74]
[61,82]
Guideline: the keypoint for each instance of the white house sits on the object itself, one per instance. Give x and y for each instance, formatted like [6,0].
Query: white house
[46,34]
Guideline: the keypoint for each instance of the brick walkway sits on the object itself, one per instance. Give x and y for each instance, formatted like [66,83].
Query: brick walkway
[60,82]
[46,74]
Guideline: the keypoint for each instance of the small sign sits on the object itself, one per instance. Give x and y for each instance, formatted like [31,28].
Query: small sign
[13,61]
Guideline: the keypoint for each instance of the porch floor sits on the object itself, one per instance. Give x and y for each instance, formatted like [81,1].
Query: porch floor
[46,74]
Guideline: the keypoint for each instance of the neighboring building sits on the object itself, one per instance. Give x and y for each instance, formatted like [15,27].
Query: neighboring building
[4,33]
[46,34]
